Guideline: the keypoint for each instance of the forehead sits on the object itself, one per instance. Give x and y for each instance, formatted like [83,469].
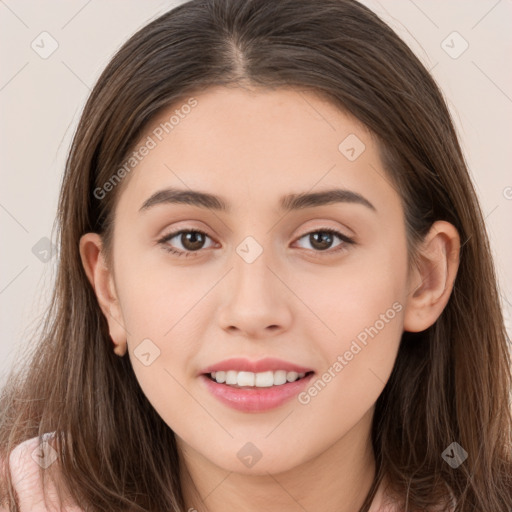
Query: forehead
[249,144]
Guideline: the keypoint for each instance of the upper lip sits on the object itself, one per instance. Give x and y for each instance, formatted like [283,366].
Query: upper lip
[262,365]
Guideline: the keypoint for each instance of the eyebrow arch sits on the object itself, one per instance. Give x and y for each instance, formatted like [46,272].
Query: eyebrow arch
[287,203]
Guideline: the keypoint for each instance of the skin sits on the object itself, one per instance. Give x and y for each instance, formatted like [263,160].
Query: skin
[294,302]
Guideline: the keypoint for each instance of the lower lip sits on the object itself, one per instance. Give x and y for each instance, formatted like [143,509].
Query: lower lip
[255,399]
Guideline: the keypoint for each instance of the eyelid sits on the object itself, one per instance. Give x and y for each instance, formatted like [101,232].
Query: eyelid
[346,241]
[169,236]
[334,230]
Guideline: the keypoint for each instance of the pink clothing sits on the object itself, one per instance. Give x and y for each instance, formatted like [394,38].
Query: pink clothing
[24,463]
[24,467]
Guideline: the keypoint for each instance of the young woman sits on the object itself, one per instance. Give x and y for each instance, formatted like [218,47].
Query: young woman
[275,288]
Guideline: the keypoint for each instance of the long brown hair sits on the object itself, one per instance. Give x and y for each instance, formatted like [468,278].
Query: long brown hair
[451,382]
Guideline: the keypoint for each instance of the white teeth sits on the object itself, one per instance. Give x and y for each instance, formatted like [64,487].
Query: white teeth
[279,377]
[264,379]
[292,376]
[259,380]
[231,377]
[245,378]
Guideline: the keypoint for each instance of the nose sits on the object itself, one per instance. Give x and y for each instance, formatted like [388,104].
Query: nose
[258,301]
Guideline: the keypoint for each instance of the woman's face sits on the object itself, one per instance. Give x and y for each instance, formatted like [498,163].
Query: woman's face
[266,280]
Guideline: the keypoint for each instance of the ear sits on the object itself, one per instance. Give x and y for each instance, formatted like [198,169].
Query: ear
[102,281]
[431,281]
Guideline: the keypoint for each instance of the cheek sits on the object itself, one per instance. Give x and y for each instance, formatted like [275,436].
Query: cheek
[159,304]
[155,293]
[353,294]
[160,318]
[362,304]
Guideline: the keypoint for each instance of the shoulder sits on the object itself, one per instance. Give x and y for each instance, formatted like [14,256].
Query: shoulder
[25,463]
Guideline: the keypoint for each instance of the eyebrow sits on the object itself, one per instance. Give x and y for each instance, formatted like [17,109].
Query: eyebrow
[287,203]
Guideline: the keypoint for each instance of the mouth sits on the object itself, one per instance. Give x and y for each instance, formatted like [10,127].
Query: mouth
[251,380]
[260,392]
[255,385]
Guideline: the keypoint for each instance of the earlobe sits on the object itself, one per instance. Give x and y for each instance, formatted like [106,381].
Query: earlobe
[102,282]
[431,282]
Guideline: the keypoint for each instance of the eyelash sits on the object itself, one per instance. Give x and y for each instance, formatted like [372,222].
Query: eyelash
[342,247]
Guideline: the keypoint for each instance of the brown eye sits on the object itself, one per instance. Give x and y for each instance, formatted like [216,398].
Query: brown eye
[322,239]
[191,240]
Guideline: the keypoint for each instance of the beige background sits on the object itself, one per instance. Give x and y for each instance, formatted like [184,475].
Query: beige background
[41,99]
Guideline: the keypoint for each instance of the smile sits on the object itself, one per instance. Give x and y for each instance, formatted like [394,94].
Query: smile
[259,380]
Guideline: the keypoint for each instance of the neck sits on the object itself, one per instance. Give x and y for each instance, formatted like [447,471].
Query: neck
[339,478]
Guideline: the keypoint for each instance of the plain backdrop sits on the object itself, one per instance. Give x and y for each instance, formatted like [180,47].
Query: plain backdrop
[53,52]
